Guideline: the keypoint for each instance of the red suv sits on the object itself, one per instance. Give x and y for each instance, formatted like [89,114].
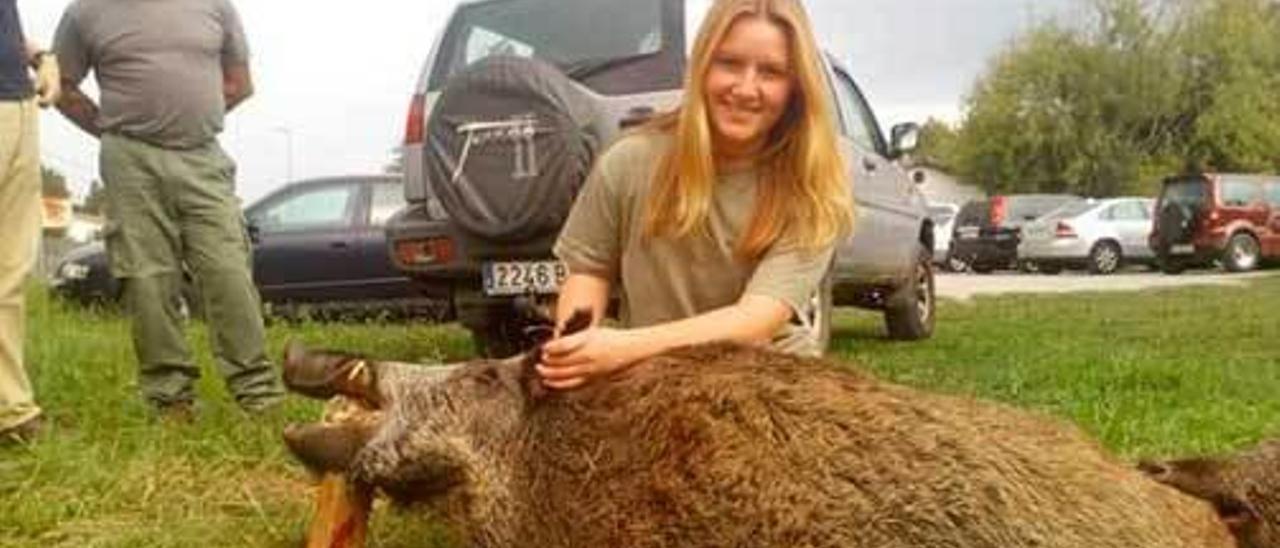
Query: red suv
[1231,218]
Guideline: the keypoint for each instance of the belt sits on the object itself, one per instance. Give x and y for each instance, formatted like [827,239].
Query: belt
[146,141]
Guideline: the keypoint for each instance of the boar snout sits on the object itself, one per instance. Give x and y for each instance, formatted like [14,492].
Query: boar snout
[325,374]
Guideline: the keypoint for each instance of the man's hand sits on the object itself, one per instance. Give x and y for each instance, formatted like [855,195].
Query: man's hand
[48,80]
[237,85]
[79,108]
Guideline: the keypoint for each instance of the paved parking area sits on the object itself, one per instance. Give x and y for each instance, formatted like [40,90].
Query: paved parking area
[965,286]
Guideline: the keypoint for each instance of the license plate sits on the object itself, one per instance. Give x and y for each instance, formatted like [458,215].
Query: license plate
[523,277]
[967,232]
[1182,249]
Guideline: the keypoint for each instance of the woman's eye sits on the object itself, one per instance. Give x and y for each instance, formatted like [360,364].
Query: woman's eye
[773,71]
[728,62]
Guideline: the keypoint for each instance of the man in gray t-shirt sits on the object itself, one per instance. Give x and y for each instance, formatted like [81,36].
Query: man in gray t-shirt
[169,70]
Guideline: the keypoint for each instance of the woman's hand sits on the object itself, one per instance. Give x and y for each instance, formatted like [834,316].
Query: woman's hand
[572,361]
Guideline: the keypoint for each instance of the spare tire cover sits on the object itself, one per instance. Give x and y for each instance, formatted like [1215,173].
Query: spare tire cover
[510,142]
[1175,224]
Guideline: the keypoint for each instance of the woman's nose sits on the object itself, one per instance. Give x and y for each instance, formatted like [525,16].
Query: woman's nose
[747,85]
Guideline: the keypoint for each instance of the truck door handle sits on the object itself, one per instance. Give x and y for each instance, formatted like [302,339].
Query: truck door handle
[636,116]
[339,245]
[869,165]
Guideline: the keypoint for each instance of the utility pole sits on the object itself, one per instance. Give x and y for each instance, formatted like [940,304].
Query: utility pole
[288,139]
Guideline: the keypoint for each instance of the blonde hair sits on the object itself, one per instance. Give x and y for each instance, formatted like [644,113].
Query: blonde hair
[803,191]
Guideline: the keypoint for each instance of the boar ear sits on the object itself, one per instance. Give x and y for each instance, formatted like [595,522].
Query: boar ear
[580,320]
[530,381]
[1236,513]
[1198,477]
[1202,478]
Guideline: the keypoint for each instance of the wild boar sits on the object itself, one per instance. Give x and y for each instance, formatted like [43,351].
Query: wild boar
[1243,488]
[723,445]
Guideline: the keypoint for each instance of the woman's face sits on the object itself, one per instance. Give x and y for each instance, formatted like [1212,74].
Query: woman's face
[748,86]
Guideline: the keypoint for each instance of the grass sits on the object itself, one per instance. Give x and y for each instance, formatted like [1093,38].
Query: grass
[1153,373]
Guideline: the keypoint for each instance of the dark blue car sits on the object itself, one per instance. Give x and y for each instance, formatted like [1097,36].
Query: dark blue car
[318,245]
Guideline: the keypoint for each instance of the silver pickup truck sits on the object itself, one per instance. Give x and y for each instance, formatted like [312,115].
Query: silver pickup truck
[514,102]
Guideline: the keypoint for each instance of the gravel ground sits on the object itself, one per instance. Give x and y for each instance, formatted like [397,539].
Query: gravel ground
[965,286]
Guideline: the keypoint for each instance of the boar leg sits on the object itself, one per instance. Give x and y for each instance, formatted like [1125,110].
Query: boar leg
[341,517]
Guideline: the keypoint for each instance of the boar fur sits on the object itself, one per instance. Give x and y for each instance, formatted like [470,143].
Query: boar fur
[1244,488]
[724,445]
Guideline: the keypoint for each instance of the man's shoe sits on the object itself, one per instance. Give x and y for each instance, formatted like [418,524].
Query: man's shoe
[179,412]
[24,433]
[323,375]
[261,405]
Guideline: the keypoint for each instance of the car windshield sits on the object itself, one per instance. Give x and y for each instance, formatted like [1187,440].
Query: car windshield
[1029,208]
[582,37]
[1069,210]
[1188,192]
[941,214]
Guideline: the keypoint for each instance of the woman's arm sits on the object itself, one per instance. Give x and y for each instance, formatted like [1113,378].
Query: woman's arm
[571,361]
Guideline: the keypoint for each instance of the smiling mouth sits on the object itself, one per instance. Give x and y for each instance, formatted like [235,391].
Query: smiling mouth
[738,113]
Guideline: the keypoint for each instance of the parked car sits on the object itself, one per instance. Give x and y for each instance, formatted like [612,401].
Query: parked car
[943,216]
[1098,235]
[318,245]
[509,80]
[987,231]
[1230,218]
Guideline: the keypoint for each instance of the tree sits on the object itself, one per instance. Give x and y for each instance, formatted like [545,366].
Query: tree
[95,202]
[1144,89]
[937,145]
[53,184]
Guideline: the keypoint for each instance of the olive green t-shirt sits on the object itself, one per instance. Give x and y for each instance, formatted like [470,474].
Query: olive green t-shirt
[664,279]
[158,64]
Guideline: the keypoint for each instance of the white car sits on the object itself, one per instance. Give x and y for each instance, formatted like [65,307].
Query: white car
[1099,235]
[944,220]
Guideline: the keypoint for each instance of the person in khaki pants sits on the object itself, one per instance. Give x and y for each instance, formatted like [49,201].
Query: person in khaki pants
[168,73]
[19,210]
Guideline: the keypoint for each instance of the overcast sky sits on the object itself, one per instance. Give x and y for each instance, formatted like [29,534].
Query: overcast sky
[335,77]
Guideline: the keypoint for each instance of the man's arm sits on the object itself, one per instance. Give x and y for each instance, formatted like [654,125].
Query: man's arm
[48,80]
[237,85]
[79,108]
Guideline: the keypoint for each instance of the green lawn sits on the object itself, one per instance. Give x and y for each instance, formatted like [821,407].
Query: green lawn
[1169,372]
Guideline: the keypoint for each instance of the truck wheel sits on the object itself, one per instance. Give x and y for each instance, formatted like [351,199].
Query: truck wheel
[909,311]
[822,309]
[957,263]
[1169,264]
[1242,253]
[1104,258]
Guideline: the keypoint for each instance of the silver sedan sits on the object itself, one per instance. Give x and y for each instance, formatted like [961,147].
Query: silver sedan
[1099,235]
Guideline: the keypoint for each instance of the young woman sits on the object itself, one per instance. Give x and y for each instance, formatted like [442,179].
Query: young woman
[717,221]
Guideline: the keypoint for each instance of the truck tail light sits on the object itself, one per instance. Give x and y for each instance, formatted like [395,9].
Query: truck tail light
[431,251]
[415,126]
[997,210]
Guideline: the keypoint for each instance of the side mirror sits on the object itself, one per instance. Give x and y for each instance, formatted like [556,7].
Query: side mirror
[904,139]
